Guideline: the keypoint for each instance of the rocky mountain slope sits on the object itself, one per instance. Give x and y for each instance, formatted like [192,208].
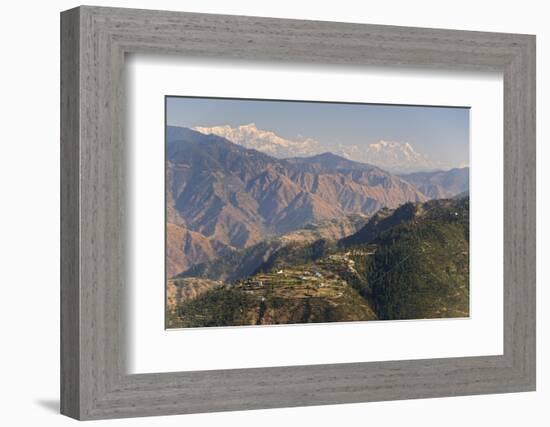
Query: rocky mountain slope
[239,264]
[185,248]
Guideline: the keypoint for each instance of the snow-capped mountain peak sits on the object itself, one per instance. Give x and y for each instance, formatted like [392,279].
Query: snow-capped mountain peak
[393,156]
[266,141]
[396,156]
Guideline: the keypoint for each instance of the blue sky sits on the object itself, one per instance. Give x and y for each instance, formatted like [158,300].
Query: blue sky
[442,133]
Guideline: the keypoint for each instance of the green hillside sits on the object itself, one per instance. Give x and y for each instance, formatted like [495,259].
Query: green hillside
[295,296]
[407,263]
[421,268]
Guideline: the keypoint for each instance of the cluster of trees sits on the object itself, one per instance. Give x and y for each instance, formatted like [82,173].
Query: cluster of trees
[421,268]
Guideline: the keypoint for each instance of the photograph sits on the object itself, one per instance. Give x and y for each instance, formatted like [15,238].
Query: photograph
[293,212]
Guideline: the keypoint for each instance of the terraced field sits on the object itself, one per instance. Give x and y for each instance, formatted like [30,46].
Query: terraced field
[302,294]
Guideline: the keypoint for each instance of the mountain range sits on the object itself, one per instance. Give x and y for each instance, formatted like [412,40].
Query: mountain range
[223,197]
[393,156]
[249,136]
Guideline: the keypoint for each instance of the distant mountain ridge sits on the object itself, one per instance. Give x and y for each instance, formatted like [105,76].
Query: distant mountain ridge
[397,157]
[441,184]
[249,136]
[236,197]
[393,156]
[330,162]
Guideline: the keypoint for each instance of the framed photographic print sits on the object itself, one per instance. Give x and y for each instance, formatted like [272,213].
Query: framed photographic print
[262,229]
[346,212]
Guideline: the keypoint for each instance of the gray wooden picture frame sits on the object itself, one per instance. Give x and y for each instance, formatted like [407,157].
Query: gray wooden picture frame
[94,381]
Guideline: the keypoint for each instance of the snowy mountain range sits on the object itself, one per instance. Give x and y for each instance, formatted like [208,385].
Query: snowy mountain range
[393,156]
[249,136]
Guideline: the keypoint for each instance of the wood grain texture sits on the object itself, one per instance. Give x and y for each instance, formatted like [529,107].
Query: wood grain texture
[70,291]
[95,275]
